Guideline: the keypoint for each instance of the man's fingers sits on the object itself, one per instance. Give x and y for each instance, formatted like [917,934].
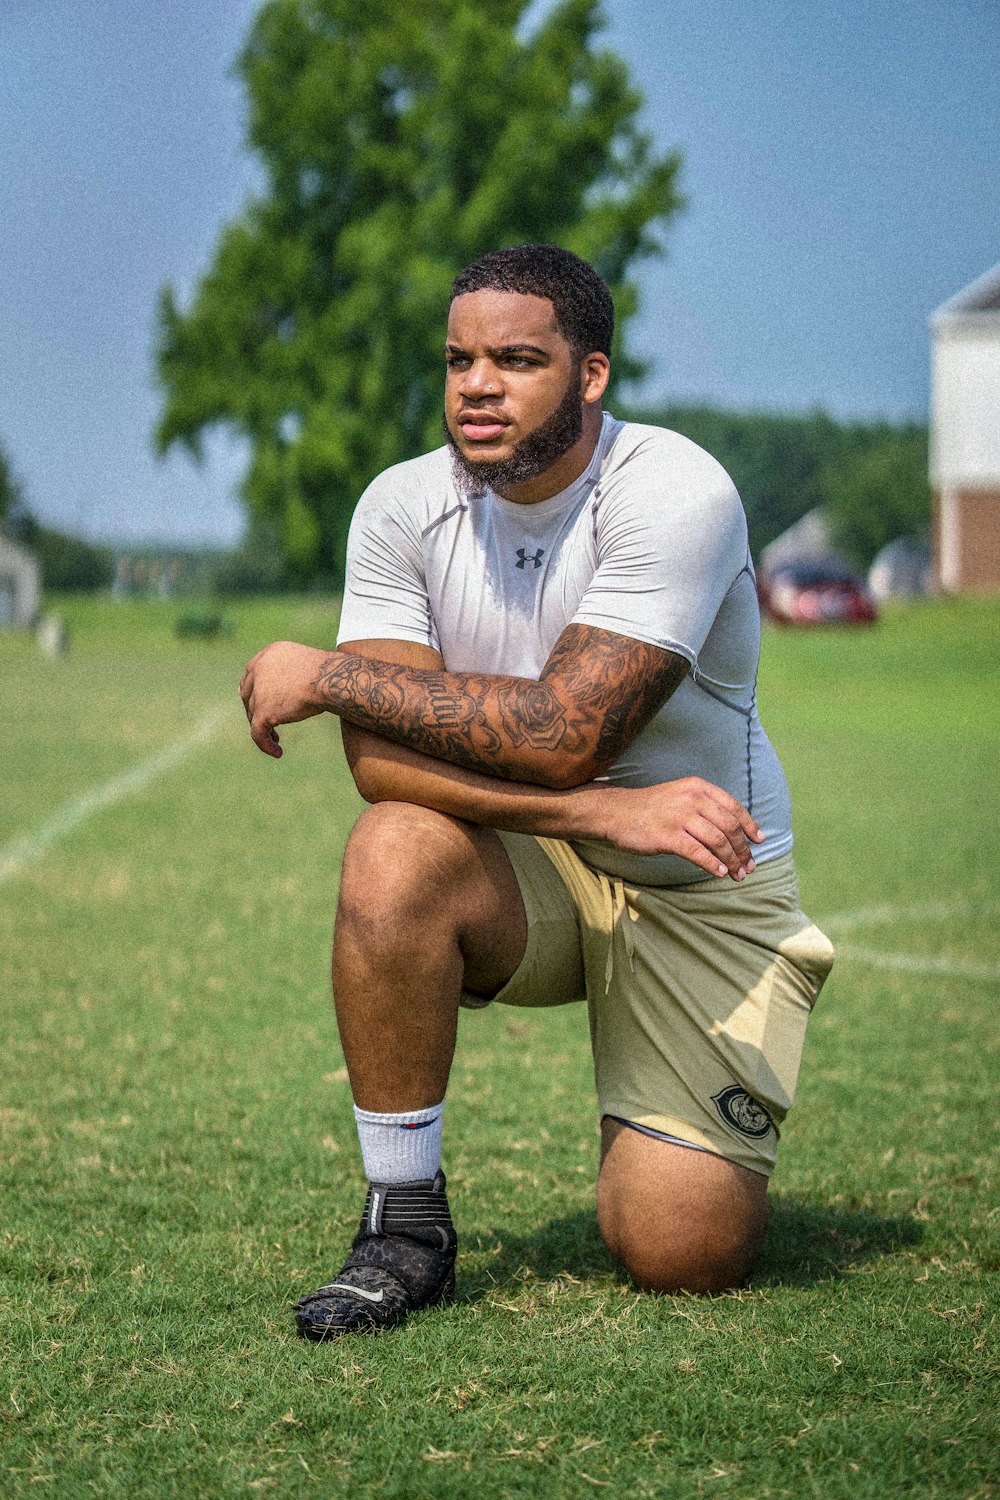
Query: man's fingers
[261,732]
[730,804]
[694,819]
[749,825]
[688,847]
[265,738]
[727,844]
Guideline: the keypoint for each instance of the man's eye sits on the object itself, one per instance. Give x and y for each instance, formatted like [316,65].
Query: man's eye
[455,361]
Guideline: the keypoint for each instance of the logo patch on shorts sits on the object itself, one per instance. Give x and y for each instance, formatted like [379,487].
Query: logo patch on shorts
[743,1113]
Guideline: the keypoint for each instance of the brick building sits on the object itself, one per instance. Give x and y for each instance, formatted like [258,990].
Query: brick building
[965,437]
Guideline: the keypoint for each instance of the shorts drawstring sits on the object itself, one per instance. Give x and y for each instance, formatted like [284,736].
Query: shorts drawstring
[618,906]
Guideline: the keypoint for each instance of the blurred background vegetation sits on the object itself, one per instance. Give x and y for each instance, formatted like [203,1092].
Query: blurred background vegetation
[870,478]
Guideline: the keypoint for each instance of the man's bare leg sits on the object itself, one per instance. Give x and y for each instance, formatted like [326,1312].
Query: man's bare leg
[676,1219]
[429,905]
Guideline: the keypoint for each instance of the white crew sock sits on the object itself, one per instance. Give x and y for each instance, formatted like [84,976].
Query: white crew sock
[402,1147]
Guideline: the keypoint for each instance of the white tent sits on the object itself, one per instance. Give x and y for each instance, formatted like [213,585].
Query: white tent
[904,569]
[808,540]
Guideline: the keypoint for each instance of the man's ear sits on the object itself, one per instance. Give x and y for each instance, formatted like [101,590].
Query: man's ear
[595,372]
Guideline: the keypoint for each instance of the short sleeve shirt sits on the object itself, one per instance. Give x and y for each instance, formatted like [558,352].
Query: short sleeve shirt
[650,542]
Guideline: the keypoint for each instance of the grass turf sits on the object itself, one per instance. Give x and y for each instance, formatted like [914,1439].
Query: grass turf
[178,1160]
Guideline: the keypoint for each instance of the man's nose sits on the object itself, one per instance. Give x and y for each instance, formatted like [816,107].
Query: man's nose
[481,379]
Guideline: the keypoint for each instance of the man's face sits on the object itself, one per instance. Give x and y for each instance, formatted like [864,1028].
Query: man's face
[513,401]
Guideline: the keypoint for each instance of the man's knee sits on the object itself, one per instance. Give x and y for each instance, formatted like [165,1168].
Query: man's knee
[678,1220]
[698,1259]
[412,875]
[398,852]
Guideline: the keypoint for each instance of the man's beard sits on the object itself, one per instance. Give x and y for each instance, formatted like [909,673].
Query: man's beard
[531,456]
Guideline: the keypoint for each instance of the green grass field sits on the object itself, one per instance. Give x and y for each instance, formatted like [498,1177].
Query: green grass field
[178,1155]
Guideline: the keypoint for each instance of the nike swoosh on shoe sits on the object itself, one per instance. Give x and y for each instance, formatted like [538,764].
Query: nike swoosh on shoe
[358,1291]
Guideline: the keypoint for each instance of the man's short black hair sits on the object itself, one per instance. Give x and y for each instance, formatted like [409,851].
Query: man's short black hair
[585,314]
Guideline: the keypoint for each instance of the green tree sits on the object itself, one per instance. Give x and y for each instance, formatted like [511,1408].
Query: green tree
[399,140]
[11,498]
[880,492]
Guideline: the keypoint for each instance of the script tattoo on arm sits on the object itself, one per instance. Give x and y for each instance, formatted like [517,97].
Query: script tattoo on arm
[441,713]
[596,692]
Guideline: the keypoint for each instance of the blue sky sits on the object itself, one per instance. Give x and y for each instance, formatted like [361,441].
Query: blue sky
[840,164]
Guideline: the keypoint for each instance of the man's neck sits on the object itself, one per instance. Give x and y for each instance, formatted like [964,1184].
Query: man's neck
[567,467]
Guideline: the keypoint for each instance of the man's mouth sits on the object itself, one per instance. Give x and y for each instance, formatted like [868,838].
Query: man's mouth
[481,426]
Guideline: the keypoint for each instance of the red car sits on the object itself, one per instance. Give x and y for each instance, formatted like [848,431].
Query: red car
[822,592]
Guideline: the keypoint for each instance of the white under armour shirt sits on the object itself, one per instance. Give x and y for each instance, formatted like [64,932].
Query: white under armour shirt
[650,542]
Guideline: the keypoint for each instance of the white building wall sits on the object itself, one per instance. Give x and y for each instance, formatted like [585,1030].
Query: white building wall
[965,404]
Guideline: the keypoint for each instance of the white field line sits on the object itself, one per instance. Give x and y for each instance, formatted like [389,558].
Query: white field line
[881,916]
[916,963]
[910,963]
[28,847]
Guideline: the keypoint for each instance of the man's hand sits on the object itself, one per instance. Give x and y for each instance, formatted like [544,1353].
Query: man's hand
[278,687]
[692,818]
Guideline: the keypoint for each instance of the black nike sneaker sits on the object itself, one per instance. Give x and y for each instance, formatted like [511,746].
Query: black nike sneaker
[402,1259]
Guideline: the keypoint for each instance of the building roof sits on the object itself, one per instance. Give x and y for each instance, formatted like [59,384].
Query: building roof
[981,298]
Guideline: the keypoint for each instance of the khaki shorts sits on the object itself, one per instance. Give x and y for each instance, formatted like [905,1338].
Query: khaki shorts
[698,994]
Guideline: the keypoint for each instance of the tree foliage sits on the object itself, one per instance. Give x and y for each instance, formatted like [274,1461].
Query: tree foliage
[869,477]
[67,562]
[399,140]
[11,497]
[880,492]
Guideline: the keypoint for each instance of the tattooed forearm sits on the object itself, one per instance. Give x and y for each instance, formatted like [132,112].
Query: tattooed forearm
[619,682]
[445,714]
[597,691]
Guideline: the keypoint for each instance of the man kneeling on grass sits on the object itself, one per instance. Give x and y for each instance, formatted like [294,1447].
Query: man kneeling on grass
[545,677]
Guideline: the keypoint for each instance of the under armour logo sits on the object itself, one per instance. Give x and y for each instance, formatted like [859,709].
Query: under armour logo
[536,558]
